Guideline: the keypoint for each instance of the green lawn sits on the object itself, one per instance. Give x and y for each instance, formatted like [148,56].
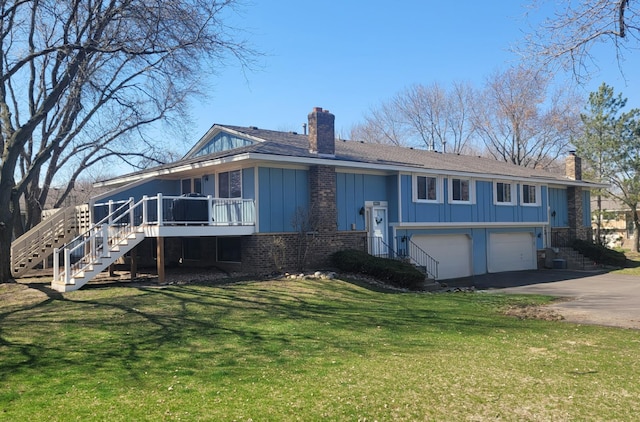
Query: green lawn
[303,350]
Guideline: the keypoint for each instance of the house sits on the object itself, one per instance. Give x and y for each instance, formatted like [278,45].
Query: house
[257,200]
[616,222]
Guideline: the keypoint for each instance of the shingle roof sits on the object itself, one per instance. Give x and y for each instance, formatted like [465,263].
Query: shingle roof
[291,144]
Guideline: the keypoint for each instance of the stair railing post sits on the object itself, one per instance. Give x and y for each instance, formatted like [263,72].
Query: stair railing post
[110,211]
[160,210]
[145,198]
[56,264]
[106,250]
[131,217]
[67,265]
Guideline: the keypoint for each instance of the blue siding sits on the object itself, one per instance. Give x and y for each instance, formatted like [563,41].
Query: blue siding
[150,188]
[558,206]
[353,190]
[482,211]
[282,192]
[248,184]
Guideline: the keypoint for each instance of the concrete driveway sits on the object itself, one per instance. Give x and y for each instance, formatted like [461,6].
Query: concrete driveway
[592,298]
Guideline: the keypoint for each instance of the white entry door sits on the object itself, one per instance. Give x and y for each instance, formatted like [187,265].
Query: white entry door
[378,232]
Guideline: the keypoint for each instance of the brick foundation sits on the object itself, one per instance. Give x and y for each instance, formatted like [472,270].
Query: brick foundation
[282,252]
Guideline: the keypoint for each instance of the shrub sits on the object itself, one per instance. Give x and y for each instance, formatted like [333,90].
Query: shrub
[396,273]
[600,254]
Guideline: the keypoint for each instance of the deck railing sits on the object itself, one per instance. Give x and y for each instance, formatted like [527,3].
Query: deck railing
[165,210]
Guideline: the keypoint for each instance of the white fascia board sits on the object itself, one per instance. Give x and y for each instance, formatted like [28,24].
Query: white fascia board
[172,170]
[341,165]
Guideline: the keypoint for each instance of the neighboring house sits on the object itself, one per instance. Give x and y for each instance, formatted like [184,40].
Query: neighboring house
[616,222]
[265,200]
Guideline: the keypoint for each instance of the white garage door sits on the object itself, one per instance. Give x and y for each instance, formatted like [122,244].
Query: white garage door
[511,252]
[452,251]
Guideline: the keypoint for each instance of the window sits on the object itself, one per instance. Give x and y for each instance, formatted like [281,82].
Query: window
[222,142]
[230,184]
[426,188]
[191,185]
[460,190]
[185,185]
[530,195]
[504,193]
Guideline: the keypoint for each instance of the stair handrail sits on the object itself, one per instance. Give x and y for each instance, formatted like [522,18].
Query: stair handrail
[421,258]
[380,241]
[96,242]
[25,246]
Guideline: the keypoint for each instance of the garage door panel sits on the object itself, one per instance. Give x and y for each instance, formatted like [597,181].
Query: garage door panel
[453,253]
[511,252]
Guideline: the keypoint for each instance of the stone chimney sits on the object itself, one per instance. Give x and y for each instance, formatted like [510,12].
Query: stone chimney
[573,166]
[322,132]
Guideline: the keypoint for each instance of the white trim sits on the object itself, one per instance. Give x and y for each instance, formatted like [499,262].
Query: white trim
[468,224]
[472,191]
[370,204]
[339,164]
[439,190]
[399,200]
[256,194]
[512,193]
[538,194]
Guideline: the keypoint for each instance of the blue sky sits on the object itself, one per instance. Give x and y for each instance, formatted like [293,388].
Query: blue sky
[348,56]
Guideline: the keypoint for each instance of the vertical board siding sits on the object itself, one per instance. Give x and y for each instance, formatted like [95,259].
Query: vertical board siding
[150,188]
[484,210]
[248,183]
[558,204]
[353,190]
[281,192]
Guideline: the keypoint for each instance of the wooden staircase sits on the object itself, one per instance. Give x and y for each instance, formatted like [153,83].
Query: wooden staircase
[37,245]
[85,256]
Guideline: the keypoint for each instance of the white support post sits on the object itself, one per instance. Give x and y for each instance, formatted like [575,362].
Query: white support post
[145,199]
[106,250]
[56,264]
[67,265]
[160,210]
[210,210]
[131,214]
[110,211]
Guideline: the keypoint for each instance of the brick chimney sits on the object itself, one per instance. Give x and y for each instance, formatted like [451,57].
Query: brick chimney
[322,132]
[573,166]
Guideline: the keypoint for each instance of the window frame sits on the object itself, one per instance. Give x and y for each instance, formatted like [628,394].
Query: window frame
[193,183]
[228,190]
[538,195]
[512,193]
[471,193]
[438,189]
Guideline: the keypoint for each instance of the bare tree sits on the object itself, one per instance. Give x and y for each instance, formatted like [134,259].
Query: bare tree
[383,125]
[520,123]
[423,116]
[80,80]
[568,38]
